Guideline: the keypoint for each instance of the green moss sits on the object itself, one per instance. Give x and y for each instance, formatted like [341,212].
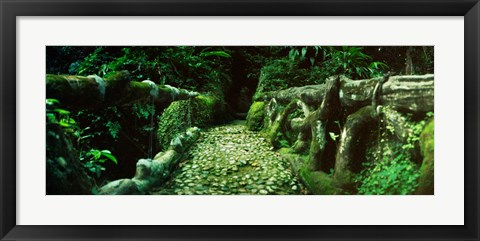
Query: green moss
[172,121]
[54,78]
[427,142]
[119,76]
[208,101]
[141,89]
[275,135]
[317,182]
[180,115]
[256,116]
[68,88]
[205,110]
[427,146]
[286,151]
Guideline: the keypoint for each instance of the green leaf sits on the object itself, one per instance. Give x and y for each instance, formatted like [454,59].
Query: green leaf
[291,54]
[61,111]
[96,153]
[304,51]
[111,157]
[51,117]
[63,123]
[216,53]
[52,101]
[333,136]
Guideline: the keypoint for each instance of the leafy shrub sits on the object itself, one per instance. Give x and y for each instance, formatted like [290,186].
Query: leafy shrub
[394,171]
[113,128]
[65,59]
[284,73]
[349,61]
[182,66]
[416,129]
[313,64]
[59,116]
[143,111]
[94,159]
[94,63]
[397,176]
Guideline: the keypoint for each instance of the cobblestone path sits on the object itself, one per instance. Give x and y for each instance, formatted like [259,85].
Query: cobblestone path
[229,159]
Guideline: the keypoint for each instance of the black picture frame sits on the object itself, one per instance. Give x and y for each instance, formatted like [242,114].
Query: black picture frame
[10,9]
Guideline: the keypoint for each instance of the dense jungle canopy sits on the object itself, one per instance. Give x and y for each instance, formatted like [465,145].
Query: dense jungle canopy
[240,119]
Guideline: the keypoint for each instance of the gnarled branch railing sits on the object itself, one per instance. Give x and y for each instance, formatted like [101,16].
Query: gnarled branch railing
[80,92]
[358,103]
[151,173]
[410,93]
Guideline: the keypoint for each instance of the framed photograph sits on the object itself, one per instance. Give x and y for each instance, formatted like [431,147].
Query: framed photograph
[227,120]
